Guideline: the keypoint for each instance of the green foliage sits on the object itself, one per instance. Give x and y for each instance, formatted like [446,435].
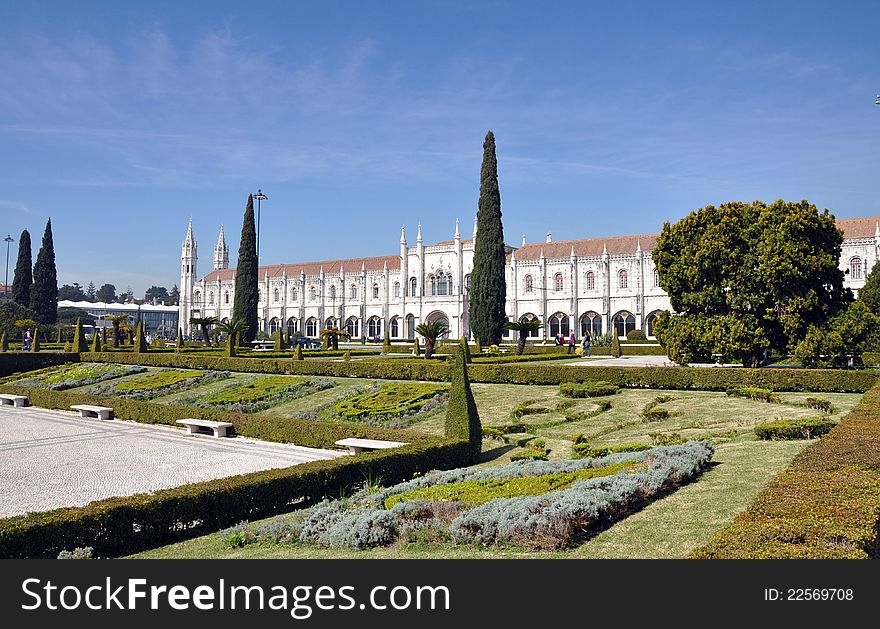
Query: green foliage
[749,278]
[78,375]
[332,336]
[754,393]
[391,399]
[346,356]
[524,328]
[808,428]
[653,413]
[869,294]
[615,346]
[527,408]
[431,330]
[158,380]
[140,342]
[844,338]
[821,405]
[279,343]
[79,339]
[488,292]
[298,352]
[581,449]
[462,419]
[11,313]
[386,345]
[44,292]
[35,345]
[4,342]
[416,349]
[586,389]
[467,349]
[265,389]
[636,335]
[247,276]
[24,278]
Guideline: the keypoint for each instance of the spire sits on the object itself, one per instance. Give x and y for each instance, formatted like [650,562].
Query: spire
[513,256]
[190,239]
[475,226]
[549,237]
[403,234]
[639,245]
[604,250]
[572,251]
[363,267]
[385,265]
[419,234]
[877,230]
[541,257]
[457,232]
[221,252]
[524,240]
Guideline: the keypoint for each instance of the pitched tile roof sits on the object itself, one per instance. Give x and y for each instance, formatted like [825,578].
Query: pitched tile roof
[589,247]
[351,265]
[858,227]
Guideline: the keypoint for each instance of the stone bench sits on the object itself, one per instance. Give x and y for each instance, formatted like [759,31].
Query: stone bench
[87,410]
[193,426]
[8,399]
[356,446]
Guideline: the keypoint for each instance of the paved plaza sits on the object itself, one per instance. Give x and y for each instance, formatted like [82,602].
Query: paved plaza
[51,459]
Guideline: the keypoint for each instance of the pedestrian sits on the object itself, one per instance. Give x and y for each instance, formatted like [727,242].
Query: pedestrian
[586,342]
[27,340]
[571,342]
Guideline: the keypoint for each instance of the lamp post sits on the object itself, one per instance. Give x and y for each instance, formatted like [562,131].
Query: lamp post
[8,240]
[259,197]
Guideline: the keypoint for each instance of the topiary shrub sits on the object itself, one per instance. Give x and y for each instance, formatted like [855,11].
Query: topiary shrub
[417,351]
[346,356]
[298,353]
[4,343]
[35,346]
[277,339]
[79,338]
[586,389]
[783,429]
[140,342]
[179,338]
[615,346]
[636,335]
[462,419]
[386,345]
[96,342]
[467,349]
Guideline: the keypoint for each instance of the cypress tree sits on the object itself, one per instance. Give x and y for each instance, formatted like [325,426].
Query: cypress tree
[140,342]
[4,342]
[24,278]
[60,338]
[276,338]
[615,343]
[298,353]
[488,292]
[35,346]
[96,342]
[179,338]
[104,335]
[462,419]
[79,339]
[386,345]
[247,276]
[44,293]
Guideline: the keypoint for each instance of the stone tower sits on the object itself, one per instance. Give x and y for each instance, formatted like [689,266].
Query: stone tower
[221,252]
[189,259]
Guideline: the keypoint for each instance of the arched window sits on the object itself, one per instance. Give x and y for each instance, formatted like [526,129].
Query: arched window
[353,291]
[650,320]
[622,279]
[375,291]
[413,286]
[467,281]
[528,317]
[655,276]
[276,296]
[293,294]
[352,326]
[557,282]
[395,328]
[331,322]
[443,282]
[197,298]
[396,290]
[312,327]
[855,269]
[623,323]
[374,327]
[591,322]
[260,295]
[211,298]
[590,281]
[274,324]
[226,297]
[529,284]
[291,326]
[559,324]
[332,292]
[313,293]
[410,326]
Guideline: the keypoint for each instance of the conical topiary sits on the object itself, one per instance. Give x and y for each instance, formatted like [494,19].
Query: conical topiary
[298,353]
[467,349]
[104,335]
[386,346]
[4,343]
[60,338]
[79,339]
[346,356]
[462,419]
[277,338]
[35,346]
[479,347]
[140,343]
[179,338]
[416,349]
[96,342]
[615,344]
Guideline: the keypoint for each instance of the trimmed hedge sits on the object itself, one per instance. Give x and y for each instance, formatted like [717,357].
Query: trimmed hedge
[17,362]
[586,389]
[807,428]
[826,504]
[681,378]
[119,526]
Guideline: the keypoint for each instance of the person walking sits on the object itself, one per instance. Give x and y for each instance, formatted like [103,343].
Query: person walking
[571,342]
[586,342]
[27,340]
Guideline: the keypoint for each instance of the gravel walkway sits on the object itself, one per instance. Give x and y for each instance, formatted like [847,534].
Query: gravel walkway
[51,459]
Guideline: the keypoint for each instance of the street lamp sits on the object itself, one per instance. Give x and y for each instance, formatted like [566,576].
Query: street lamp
[259,197]
[8,240]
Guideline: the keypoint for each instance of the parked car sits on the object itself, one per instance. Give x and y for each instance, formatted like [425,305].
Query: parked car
[306,342]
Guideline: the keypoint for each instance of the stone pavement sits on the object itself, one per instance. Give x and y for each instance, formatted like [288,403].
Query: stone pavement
[51,459]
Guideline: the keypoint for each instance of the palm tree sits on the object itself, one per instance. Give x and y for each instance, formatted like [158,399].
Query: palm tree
[431,330]
[117,321]
[332,336]
[233,329]
[524,328]
[204,322]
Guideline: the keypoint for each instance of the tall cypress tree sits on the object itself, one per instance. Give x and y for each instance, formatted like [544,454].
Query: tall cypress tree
[44,294]
[247,276]
[488,292]
[24,277]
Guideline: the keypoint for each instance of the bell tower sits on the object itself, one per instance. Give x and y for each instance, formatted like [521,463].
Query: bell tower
[221,253]
[189,258]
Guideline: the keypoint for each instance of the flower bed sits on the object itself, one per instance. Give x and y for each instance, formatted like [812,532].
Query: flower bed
[159,384]
[539,504]
[384,403]
[259,394]
[79,376]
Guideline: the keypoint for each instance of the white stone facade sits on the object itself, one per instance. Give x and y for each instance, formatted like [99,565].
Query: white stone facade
[595,284]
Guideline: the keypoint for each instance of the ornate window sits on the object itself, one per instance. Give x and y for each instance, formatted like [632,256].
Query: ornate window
[529,284]
[396,290]
[558,282]
[590,281]
[395,328]
[353,291]
[293,294]
[441,284]
[276,296]
[332,292]
[410,326]
[211,298]
[197,298]
[374,327]
[591,322]
[260,295]
[313,293]
[528,317]
[352,326]
[413,287]
[291,326]
[655,275]
[312,327]
[559,325]
[622,279]
[226,297]
[375,291]
[855,269]
[467,281]
[624,322]
[650,320]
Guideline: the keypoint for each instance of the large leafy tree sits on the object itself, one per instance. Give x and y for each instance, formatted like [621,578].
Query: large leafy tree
[160,293]
[71,293]
[247,276]
[748,279]
[870,293]
[106,294]
[44,294]
[24,276]
[488,291]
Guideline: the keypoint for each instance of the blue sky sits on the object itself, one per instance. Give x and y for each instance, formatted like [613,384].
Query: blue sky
[123,119]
